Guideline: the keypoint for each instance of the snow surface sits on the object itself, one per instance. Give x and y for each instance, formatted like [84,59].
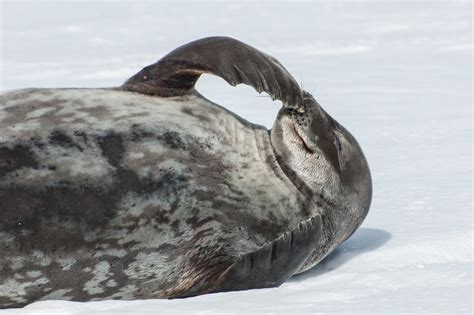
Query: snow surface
[397,74]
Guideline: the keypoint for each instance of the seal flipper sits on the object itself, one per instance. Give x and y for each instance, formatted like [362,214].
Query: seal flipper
[276,261]
[176,73]
[269,266]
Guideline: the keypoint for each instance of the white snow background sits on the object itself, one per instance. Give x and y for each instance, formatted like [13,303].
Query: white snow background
[397,74]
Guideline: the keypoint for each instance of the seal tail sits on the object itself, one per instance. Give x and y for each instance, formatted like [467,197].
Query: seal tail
[176,73]
[269,266]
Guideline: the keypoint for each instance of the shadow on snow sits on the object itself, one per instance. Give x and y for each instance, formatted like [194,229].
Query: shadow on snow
[363,240]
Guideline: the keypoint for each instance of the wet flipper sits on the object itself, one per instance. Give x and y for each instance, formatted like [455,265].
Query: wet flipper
[275,262]
[176,73]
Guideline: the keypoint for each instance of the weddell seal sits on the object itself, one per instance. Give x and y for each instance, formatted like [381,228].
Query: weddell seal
[150,190]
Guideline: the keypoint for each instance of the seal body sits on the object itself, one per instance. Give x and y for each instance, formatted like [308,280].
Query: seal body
[105,194]
[120,194]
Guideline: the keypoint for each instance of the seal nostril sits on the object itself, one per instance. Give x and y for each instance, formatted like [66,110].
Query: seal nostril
[338,143]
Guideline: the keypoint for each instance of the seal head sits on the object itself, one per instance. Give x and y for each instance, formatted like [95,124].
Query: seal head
[324,161]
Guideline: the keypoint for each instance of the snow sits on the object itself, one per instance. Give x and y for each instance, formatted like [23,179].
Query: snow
[397,74]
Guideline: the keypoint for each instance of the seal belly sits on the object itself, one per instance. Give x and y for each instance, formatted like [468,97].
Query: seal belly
[112,194]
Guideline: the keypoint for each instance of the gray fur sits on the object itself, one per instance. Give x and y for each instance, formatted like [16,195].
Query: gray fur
[113,194]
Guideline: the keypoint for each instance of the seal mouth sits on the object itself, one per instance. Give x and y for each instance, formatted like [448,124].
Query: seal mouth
[301,136]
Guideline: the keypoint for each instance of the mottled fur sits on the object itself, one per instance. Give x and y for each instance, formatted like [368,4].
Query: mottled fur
[132,198]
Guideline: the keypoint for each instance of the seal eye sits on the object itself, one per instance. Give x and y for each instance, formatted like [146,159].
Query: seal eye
[337,143]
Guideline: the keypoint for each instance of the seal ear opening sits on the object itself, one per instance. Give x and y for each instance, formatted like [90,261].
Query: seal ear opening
[235,62]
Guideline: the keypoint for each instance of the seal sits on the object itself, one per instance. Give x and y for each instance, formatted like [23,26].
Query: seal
[150,190]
